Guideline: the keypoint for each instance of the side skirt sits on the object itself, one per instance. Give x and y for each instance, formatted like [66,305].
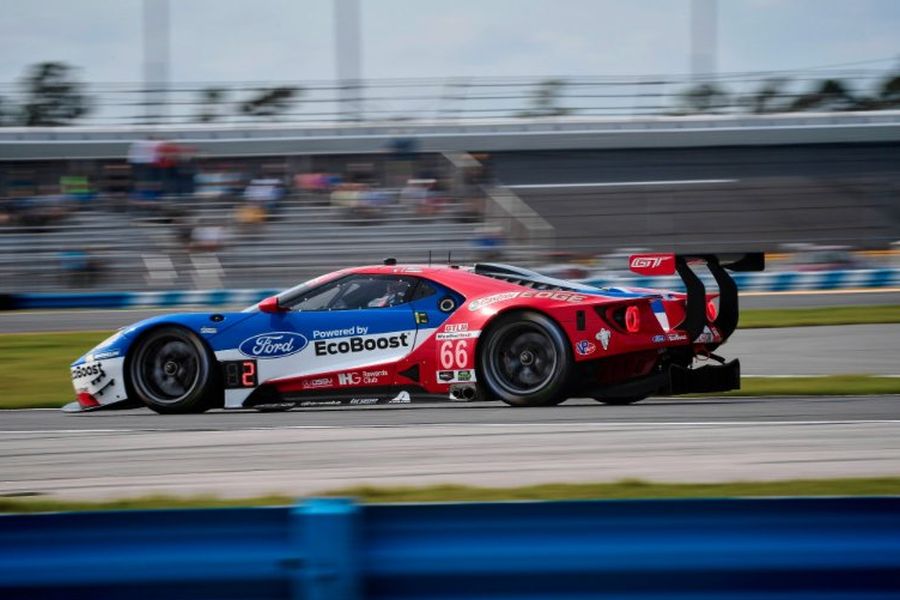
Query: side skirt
[368,396]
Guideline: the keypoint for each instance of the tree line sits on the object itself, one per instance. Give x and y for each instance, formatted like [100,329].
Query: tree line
[52,95]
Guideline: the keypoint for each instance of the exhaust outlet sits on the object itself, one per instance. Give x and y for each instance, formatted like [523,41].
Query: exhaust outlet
[462,392]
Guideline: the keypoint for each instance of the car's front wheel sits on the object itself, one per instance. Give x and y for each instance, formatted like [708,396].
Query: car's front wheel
[172,371]
[525,360]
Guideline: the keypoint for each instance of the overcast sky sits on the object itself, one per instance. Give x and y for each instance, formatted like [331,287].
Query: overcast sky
[239,40]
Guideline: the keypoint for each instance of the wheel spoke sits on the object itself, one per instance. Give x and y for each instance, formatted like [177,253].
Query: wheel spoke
[170,369]
[524,359]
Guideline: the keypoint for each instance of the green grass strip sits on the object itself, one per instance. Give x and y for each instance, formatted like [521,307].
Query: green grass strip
[34,367]
[624,489]
[755,318]
[825,385]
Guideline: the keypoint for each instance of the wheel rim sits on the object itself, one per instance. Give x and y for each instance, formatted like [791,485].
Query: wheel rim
[167,369]
[523,358]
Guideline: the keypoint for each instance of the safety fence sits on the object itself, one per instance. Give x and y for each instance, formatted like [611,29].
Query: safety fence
[787,281]
[447,99]
[336,549]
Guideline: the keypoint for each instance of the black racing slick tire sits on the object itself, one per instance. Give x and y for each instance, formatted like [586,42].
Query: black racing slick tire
[620,401]
[173,372]
[524,360]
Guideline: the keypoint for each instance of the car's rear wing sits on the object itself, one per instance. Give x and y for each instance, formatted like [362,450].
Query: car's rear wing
[695,319]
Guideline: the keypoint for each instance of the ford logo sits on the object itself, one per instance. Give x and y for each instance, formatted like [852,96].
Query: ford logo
[275,344]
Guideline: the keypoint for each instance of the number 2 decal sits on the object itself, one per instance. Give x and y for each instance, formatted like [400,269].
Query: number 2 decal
[454,354]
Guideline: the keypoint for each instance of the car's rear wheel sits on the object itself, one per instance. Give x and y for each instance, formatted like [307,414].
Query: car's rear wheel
[172,371]
[620,401]
[525,360]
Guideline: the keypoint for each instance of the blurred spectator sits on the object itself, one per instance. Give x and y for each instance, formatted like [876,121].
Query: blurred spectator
[44,208]
[318,184]
[424,197]
[207,237]
[219,183]
[166,162]
[76,187]
[347,195]
[116,184]
[142,157]
[360,201]
[266,193]
[261,197]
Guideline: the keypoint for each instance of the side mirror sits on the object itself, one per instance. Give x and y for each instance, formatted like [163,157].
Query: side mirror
[270,305]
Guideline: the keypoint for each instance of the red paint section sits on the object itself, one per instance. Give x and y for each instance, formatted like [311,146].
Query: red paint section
[85,400]
[621,338]
[652,264]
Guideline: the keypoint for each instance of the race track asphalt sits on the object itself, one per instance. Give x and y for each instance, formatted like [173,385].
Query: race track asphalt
[304,451]
[236,454]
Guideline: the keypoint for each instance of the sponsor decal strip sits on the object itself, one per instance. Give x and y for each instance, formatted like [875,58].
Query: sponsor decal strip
[358,344]
[276,344]
[546,294]
[456,376]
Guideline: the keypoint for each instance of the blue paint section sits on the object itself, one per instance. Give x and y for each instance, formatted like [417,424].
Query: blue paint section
[839,548]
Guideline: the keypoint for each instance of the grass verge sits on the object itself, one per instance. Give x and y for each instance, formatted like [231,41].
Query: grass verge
[756,318]
[34,367]
[624,489]
[825,385]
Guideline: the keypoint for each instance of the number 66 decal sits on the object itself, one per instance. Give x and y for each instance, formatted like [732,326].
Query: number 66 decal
[454,354]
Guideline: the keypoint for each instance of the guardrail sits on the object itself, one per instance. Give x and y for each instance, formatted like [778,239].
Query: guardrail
[747,282]
[769,548]
[403,100]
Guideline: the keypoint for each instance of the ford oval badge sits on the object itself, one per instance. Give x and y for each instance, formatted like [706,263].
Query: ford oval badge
[275,344]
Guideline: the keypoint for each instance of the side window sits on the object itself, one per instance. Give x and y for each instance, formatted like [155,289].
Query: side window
[423,290]
[355,292]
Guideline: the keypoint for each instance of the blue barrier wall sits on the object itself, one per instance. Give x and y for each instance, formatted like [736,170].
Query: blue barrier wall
[747,282]
[777,548]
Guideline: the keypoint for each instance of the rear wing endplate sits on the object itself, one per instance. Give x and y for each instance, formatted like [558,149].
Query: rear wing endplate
[718,265]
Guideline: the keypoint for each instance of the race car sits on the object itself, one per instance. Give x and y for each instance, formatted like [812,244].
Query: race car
[394,334]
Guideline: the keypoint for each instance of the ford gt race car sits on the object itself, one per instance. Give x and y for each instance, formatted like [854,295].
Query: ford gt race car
[393,334]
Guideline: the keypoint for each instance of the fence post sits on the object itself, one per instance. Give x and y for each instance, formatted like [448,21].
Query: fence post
[326,533]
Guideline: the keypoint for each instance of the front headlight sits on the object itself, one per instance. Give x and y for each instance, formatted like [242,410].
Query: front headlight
[110,340]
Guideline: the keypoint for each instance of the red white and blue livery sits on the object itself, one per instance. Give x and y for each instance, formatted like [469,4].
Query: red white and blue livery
[394,334]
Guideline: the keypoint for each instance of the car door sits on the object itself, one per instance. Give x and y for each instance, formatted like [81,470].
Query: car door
[355,321]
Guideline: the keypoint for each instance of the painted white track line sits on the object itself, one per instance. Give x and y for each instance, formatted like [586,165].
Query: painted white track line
[535,186]
[546,426]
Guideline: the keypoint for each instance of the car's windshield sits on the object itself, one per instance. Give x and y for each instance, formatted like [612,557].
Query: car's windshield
[288,296]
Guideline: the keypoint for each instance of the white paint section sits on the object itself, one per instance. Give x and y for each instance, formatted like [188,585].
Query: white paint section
[669,182]
[307,362]
[106,389]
